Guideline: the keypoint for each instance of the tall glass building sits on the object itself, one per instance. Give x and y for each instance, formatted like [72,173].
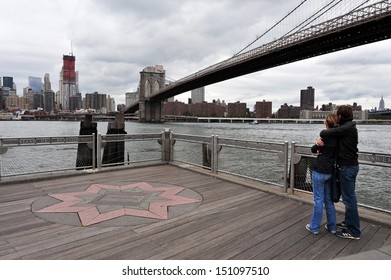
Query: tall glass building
[8,82]
[35,83]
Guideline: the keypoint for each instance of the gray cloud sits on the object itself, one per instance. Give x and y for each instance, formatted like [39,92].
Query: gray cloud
[114,40]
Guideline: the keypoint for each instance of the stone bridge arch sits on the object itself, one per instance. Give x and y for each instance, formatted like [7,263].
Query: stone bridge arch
[152,79]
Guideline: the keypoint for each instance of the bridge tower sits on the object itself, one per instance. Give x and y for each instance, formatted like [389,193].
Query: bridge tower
[152,79]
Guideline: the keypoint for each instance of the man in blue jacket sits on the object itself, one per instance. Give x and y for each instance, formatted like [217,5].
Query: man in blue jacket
[347,159]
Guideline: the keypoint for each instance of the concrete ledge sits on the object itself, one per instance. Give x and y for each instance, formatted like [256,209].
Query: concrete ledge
[383,253]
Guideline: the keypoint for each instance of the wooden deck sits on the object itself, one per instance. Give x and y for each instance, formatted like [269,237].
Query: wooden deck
[231,222]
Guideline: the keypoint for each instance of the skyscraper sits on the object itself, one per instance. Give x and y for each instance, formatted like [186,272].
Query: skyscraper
[307,99]
[46,83]
[48,101]
[95,101]
[35,83]
[68,81]
[381,104]
[198,95]
[8,82]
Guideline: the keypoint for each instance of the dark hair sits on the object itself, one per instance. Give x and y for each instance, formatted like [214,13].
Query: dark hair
[345,112]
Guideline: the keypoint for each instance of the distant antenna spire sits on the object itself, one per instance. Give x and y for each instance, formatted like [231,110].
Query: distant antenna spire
[71,49]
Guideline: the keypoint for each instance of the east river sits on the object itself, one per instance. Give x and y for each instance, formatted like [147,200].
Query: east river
[373,187]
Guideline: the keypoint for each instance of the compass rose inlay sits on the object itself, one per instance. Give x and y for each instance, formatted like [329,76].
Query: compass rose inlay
[99,203]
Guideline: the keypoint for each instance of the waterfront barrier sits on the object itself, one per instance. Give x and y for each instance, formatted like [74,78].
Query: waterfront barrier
[372,185]
[285,166]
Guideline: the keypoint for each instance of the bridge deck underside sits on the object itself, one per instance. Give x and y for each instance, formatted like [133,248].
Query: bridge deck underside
[347,37]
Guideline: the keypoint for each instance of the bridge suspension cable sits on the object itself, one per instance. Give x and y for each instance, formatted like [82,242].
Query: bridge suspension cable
[267,31]
[324,10]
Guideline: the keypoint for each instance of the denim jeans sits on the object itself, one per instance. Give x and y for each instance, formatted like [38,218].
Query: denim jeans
[322,194]
[347,177]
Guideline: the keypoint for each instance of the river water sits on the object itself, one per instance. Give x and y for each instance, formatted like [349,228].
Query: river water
[372,138]
[372,183]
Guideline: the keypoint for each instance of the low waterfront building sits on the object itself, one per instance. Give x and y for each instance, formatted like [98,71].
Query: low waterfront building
[308,114]
[203,109]
[288,112]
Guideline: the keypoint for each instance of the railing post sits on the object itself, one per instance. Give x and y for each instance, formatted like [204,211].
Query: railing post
[292,173]
[167,153]
[214,159]
[93,151]
[286,166]
[99,151]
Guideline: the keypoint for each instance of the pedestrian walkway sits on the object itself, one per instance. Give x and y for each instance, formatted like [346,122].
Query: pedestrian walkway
[166,212]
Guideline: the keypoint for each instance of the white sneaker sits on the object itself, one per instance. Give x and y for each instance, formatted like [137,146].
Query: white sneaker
[332,231]
[308,228]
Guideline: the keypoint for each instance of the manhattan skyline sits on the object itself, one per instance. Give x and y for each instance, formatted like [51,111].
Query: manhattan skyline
[184,37]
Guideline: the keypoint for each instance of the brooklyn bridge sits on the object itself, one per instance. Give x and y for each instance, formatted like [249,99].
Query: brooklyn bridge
[323,31]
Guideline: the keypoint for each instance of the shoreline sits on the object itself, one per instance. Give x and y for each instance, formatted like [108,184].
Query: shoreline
[213,120]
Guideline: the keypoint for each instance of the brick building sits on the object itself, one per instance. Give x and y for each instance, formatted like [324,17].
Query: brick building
[263,109]
[288,112]
[237,109]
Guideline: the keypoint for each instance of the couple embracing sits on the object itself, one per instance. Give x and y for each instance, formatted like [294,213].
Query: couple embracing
[338,142]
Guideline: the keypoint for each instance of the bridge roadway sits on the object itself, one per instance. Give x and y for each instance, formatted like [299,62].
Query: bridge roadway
[171,118]
[361,27]
[170,213]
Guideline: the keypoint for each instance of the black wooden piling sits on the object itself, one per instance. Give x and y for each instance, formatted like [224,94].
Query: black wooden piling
[114,151]
[84,150]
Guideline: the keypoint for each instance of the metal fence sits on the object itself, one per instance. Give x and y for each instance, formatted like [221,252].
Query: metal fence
[120,150]
[372,187]
[21,156]
[271,163]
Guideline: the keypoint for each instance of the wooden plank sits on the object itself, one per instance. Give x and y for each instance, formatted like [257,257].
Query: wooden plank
[206,209]
[24,250]
[356,246]
[263,229]
[82,248]
[224,222]
[160,237]
[237,232]
[233,222]
[378,240]
[275,236]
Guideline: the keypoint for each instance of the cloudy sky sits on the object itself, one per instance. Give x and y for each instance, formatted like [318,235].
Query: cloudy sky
[114,40]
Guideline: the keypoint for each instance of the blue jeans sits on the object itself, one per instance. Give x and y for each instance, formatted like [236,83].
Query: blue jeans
[347,177]
[322,194]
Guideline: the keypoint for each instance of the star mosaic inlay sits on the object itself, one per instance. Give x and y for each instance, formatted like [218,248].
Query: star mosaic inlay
[100,203]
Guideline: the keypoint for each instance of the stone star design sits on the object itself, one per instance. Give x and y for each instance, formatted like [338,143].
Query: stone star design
[100,203]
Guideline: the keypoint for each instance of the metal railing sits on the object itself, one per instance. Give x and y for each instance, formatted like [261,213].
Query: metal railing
[123,149]
[372,188]
[259,161]
[31,155]
[266,162]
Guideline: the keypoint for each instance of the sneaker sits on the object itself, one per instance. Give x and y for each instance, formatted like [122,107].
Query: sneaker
[342,225]
[332,231]
[313,232]
[346,234]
